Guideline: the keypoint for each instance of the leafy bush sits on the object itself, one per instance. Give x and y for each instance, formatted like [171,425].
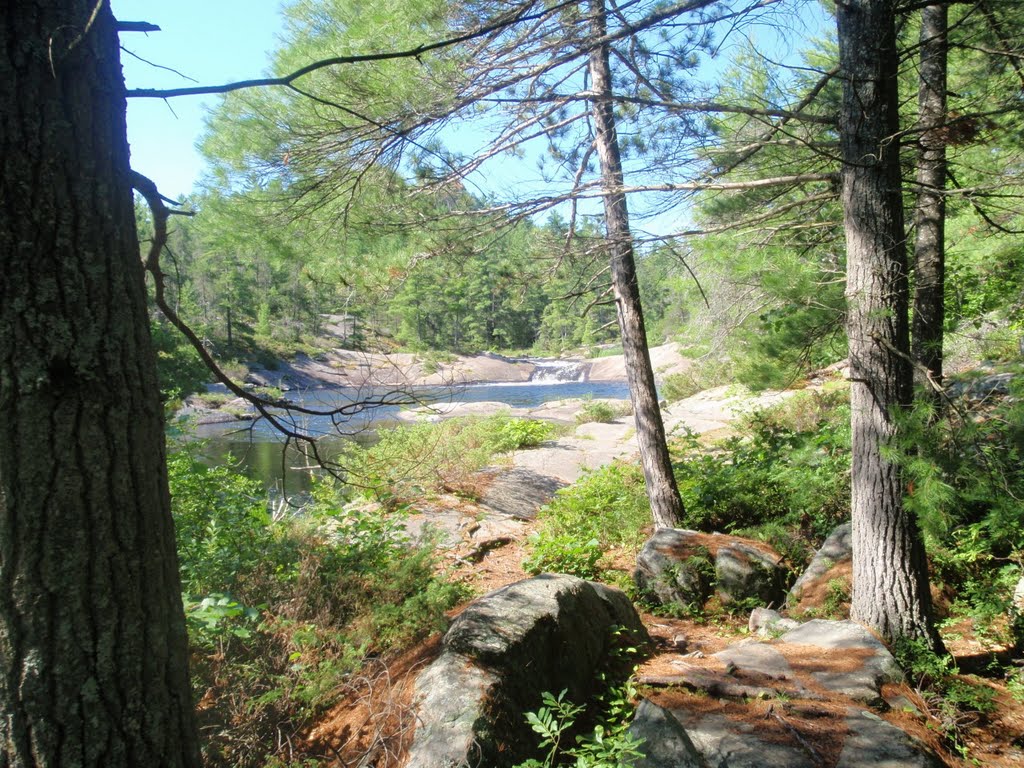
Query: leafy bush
[953,700]
[606,508]
[563,554]
[606,747]
[965,475]
[221,523]
[769,475]
[608,714]
[513,434]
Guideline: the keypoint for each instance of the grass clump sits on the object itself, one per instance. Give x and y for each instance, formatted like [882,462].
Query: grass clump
[705,374]
[601,412]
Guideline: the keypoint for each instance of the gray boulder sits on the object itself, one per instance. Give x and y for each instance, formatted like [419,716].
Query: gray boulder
[765,622]
[548,633]
[982,388]
[830,562]
[745,571]
[676,567]
[684,567]
[665,742]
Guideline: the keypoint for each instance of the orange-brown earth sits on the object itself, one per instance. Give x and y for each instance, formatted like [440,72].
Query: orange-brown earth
[374,715]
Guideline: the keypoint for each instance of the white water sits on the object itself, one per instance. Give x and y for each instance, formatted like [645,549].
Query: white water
[559,372]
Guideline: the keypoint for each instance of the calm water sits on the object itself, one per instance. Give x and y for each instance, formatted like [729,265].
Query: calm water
[259,451]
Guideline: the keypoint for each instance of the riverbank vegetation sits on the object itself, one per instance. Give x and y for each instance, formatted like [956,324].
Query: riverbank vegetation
[285,614]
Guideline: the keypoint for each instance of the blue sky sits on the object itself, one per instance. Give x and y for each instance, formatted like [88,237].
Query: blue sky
[219,41]
[215,41]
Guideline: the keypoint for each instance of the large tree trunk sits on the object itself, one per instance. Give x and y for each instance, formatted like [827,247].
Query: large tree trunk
[890,578]
[666,505]
[930,213]
[92,635]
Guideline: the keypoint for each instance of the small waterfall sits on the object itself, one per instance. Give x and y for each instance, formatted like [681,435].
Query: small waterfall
[559,371]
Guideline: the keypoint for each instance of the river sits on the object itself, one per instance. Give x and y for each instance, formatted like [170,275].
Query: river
[256,448]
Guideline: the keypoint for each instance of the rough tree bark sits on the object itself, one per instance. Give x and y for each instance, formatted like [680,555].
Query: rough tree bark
[890,577]
[662,492]
[93,650]
[930,212]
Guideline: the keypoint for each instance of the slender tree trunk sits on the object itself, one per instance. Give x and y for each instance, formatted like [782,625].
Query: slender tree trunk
[93,650]
[930,213]
[666,505]
[890,577]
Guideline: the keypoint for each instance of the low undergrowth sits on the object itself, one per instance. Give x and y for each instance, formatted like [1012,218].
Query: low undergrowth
[605,510]
[283,614]
[955,702]
[783,478]
[594,733]
[418,460]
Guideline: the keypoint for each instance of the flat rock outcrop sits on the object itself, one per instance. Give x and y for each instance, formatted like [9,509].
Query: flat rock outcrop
[548,633]
[803,700]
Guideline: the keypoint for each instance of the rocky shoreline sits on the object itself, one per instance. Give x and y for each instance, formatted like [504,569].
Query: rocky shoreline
[346,368]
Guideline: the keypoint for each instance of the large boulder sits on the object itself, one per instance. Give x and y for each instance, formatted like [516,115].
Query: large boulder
[665,743]
[831,563]
[548,633]
[684,567]
[747,570]
[675,567]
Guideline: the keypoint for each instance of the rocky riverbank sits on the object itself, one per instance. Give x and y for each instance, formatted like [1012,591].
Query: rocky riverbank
[346,368]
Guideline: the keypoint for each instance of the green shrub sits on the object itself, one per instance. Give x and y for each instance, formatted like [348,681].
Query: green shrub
[221,523]
[605,508]
[771,475]
[965,478]
[563,554]
[954,701]
[282,614]
[597,411]
[213,399]
[513,434]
